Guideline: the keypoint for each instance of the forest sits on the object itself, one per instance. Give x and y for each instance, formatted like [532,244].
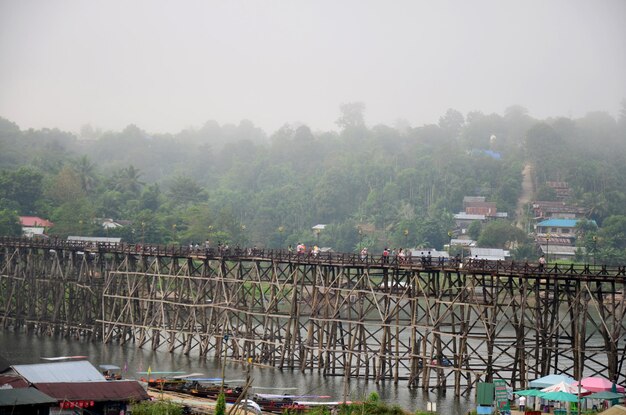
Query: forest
[376,186]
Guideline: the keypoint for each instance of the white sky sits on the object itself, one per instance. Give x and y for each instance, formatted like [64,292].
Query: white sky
[169,65]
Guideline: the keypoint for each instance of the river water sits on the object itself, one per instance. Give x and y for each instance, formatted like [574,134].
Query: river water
[21,348]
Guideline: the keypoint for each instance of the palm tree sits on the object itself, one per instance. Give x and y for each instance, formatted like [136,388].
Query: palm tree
[127,180]
[596,206]
[85,170]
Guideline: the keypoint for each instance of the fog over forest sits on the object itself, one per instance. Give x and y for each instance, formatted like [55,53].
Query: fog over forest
[248,123]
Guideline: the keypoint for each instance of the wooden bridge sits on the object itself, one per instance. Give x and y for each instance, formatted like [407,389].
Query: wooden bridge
[427,322]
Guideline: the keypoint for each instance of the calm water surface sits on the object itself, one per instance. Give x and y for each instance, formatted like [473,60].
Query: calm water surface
[20,348]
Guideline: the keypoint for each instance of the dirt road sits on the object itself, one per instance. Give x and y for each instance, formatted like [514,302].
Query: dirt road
[526,196]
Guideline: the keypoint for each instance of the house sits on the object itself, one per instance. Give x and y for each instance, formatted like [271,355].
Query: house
[481,208]
[556,210]
[463,220]
[34,225]
[557,228]
[475,208]
[79,385]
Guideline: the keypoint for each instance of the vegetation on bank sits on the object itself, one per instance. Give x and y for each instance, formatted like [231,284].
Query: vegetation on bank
[159,407]
[373,186]
[370,406]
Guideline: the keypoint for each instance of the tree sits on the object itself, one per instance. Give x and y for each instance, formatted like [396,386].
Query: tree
[151,198]
[546,193]
[126,180]
[86,172]
[9,223]
[524,252]
[74,217]
[220,405]
[351,115]
[185,190]
[500,234]
[24,187]
[65,187]
[474,229]
[613,232]
[433,232]
[8,127]
[452,122]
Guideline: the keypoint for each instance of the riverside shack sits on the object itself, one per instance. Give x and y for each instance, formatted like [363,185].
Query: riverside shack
[78,387]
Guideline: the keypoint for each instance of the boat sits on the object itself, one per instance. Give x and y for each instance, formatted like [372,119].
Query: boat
[175,382]
[278,403]
[111,372]
[209,388]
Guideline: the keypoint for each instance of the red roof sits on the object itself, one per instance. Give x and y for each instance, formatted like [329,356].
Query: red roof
[116,390]
[13,381]
[35,221]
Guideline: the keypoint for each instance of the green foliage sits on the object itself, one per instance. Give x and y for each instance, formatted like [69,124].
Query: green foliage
[231,184]
[373,397]
[371,406]
[9,222]
[220,405]
[160,407]
[23,188]
[525,252]
[474,229]
[499,234]
[545,193]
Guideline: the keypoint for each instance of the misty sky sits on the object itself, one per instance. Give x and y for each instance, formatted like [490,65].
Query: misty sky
[170,65]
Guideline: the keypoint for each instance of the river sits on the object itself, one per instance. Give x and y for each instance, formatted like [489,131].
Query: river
[21,348]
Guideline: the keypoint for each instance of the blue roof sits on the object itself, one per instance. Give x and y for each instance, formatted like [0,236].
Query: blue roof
[561,223]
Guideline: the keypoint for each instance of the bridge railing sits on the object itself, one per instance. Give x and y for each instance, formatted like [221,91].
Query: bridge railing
[426,263]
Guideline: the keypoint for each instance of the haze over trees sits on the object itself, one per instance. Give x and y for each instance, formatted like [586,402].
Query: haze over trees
[376,186]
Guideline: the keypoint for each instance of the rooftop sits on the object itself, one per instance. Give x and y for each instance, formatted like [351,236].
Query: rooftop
[24,396]
[561,223]
[119,390]
[35,221]
[59,372]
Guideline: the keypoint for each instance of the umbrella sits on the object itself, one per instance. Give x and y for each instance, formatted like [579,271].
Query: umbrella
[550,380]
[565,387]
[559,396]
[604,395]
[598,384]
[529,392]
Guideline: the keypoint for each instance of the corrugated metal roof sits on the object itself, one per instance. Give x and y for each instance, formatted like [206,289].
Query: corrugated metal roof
[464,242]
[467,216]
[491,254]
[24,396]
[9,381]
[561,223]
[80,371]
[116,390]
[561,250]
